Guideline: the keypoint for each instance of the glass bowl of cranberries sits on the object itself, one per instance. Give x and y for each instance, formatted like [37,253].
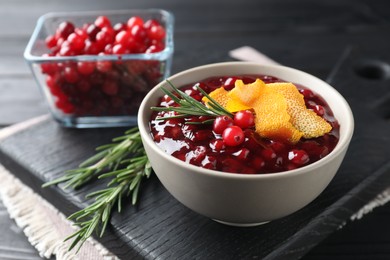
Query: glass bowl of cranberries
[94,68]
[242,143]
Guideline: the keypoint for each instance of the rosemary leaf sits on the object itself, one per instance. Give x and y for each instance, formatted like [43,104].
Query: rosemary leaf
[188,106]
[124,162]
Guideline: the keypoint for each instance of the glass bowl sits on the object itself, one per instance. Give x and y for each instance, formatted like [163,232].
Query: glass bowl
[95,90]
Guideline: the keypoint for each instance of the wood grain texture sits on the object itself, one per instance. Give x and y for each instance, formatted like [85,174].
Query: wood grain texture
[162,228]
[13,245]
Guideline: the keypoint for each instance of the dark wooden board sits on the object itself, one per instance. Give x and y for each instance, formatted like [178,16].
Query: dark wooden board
[160,227]
[311,36]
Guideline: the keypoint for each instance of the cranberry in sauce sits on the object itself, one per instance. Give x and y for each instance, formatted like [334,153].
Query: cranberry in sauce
[201,145]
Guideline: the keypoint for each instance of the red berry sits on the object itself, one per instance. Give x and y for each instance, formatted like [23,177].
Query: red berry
[76,42]
[268,154]
[319,110]
[149,23]
[122,37]
[91,48]
[119,49]
[221,123]
[103,65]
[65,29]
[156,32]
[81,33]
[119,27]
[217,144]
[307,93]
[244,119]
[242,154]
[138,32]
[92,30]
[51,41]
[135,20]
[229,83]
[84,85]
[154,49]
[110,88]
[298,157]
[102,21]
[105,36]
[85,67]
[233,136]
[70,74]
[258,163]
[66,49]
[202,135]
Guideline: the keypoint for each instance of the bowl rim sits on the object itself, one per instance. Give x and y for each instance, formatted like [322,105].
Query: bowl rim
[162,55]
[339,148]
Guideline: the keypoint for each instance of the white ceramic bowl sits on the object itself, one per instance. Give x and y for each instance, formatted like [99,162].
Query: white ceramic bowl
[238,199]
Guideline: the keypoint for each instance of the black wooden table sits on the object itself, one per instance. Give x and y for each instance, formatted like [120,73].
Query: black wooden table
[320,37]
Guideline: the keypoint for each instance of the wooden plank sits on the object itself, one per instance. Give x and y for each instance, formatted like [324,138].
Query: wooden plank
[20,100]
[14,245]
[160,227]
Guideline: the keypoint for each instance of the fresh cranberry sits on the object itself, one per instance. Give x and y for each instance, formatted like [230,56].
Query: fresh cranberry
[307,93]
[221,123]
[66,49]
[91,48]
[202,135]
[119,27]
[51,41]
[319,110]
[138,32]
[244,119]
[156,32]
[229,83]
[92,31]
[123,37]
[84,85]
[86,67]
[135,21]
[242,154]
[102,21]
[76,42]
[154,48]
[119,49]
[149,23]
[110,88]
[233,136]
[65,29]
[298,157]
[217,145]
[70,74]
[258,163]
[105,36]
[268,154]
[104,65]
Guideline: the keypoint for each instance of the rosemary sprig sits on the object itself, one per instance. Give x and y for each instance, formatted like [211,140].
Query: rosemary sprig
[126,163]
[109,157]
[189,106]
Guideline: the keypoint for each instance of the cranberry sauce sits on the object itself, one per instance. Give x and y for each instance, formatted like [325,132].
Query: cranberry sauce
[200,145]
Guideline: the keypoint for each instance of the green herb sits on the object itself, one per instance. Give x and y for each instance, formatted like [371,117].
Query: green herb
[189,106]
[126,164]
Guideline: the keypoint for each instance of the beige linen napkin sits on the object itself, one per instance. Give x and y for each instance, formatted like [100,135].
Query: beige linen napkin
[45,227]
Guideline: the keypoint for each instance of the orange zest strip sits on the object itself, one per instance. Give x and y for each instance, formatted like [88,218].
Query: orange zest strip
[279,107]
